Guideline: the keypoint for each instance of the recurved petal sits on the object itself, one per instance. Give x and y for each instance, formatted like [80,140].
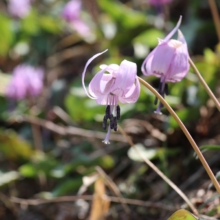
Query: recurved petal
[163,56]
[84,72]
[125,77]
[179,66]
[97,84]
[146,66]
[181,37]
[173,31]
[133,94]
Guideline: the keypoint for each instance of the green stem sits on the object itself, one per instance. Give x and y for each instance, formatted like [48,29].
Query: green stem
[185,131]
[204,84]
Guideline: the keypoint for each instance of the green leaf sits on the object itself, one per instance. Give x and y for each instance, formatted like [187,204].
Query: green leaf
[182,215]
[6,36]
[67,187]
[149,37]
[210,147]
[14,147]
[49,24]
[124,15]
[30,24]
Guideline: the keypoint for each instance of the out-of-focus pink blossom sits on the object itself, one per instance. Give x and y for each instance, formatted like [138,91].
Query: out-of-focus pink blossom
[169,60]
[26,81]
[71,13]
[19,8]
[159,2]
[113,84]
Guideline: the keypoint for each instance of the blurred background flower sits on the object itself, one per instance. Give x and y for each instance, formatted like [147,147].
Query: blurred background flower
[27,81]
[19,9]
[72,14]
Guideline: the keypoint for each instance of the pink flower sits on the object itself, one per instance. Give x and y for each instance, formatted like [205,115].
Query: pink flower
[19,8]
[159,2]
[113,84]
[26,81]
[71,13]
[169,61]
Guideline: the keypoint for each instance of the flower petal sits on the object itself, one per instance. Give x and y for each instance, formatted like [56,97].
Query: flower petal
[125,77]
[84,72]
[133,94]
[173,31]
[162,59]
[146,66]
[97,85]
[179,66]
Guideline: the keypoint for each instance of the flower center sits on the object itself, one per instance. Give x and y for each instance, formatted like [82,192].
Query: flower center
[112,113]
[175,43]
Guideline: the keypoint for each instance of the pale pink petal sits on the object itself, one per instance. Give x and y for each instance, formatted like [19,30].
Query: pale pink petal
[133,94]
[179,66]
[84,72]
[110,68]
[95,85]
[146,66]
[181,37]
[163,56]
[107,100]
[125,77]
[173,31]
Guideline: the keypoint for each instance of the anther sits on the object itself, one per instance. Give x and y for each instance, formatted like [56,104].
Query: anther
[104,123]
[115,124]
[166,90]
[107,112]
[118,112]
[112,121]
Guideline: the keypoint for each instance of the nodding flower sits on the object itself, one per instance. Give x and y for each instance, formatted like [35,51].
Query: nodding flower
[71,13]
[26,81]
[19,9]
[111,85]
[168,61]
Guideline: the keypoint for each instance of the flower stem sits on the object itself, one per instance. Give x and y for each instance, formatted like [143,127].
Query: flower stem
[185,131]
[215,16]
[165,178]
[204,84]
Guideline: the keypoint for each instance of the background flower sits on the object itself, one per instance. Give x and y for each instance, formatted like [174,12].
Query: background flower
[71,13]
[19,8]
[26,81]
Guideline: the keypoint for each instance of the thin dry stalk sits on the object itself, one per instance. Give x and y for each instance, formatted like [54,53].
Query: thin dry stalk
[185,131]
[212,96]
[215,16]
[165,178]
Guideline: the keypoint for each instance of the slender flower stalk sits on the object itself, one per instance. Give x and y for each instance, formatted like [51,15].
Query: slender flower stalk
[185,131]
[159,172]
[215,16]
[212,96]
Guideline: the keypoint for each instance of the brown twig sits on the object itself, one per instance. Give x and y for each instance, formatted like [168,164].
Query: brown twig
[113,187]
[165,178]
[35,202]
[215,16]
[69,130]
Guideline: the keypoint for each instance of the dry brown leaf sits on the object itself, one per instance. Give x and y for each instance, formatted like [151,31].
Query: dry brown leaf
[100,203]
